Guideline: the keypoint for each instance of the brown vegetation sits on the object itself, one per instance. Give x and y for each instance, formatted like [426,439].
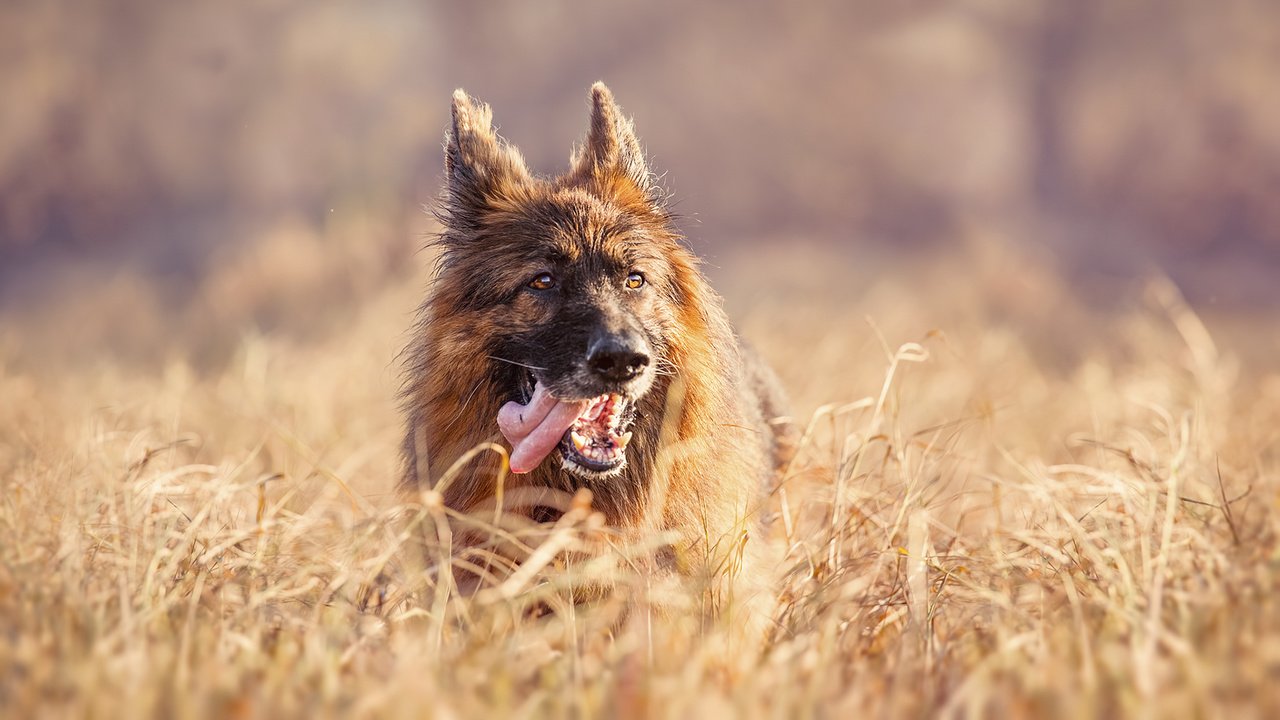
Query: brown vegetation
[1017,496]
[972,526]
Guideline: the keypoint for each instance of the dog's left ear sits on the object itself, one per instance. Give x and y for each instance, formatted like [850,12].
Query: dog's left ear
[611,162]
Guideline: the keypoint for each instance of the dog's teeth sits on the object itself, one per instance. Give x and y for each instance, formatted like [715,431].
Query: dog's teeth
[579,442]
[623,439]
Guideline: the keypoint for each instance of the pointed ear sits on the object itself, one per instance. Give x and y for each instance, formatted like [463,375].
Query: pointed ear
[611,161]
[482,171]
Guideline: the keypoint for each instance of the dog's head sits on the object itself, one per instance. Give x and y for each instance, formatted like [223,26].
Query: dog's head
[575,280]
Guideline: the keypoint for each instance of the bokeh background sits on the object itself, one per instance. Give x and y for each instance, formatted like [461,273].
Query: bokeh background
[1015,261]
[173,174]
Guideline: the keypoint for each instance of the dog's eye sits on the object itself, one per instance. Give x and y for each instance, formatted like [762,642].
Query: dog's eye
[635,281]
[542,281]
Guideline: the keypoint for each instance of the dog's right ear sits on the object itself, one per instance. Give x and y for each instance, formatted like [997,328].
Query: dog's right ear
[483,172]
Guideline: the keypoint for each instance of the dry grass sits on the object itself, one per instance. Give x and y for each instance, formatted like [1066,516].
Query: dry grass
[1007,505]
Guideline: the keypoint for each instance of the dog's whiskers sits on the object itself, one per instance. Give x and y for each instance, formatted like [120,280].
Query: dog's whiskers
[463,409]
[513,362]
[663,366]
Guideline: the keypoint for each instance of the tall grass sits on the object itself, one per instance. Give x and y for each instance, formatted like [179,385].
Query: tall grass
[973,527]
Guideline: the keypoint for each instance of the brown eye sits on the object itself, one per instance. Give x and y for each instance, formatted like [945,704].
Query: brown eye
[635,281]
[542,281]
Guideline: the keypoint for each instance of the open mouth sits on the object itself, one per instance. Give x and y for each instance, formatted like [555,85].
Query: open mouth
[591,435]
[598,439]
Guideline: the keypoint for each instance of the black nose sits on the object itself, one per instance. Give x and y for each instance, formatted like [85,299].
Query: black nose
[616,360]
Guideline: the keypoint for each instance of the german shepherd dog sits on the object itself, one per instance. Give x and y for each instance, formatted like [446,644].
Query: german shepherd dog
[569,322]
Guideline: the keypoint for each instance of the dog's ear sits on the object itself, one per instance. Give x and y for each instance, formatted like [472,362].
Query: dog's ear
[482,171]
[611,162]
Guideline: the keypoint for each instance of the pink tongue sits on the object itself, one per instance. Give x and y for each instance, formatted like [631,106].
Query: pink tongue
[535,429]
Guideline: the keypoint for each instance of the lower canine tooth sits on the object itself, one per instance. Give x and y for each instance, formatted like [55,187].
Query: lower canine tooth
[623,440]
[579,442]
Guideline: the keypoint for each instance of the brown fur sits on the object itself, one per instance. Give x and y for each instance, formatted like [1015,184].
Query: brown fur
[608,205]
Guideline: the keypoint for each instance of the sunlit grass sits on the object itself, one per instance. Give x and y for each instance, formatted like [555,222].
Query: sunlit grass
[967,530]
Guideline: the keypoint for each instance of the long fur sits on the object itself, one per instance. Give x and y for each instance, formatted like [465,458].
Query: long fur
[494,214]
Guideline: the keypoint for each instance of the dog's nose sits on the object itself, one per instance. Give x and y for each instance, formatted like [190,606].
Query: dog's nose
[615,360]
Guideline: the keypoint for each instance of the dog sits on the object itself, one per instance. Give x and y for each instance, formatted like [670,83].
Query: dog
[569,323]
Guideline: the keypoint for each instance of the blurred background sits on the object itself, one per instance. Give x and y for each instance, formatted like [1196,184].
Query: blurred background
[173,174]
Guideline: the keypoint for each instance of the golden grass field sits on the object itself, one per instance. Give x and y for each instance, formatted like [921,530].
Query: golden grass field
[1010,502]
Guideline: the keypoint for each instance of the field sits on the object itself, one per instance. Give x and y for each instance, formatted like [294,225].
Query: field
[1010,502]
[1015,262]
